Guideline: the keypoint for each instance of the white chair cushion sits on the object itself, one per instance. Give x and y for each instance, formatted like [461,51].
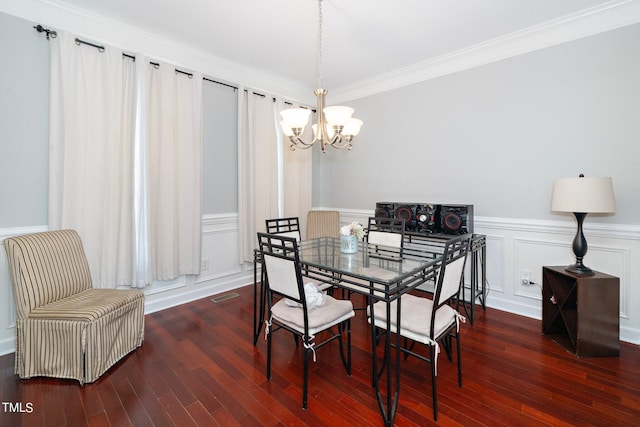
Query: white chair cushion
[331,313]
[415,318]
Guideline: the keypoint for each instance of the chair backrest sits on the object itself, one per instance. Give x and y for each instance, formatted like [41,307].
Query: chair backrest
[289,227]
[386,232]
[46,267]
[282,265]
[451,270]
[323,224]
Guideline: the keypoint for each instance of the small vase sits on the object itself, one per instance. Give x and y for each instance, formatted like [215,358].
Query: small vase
[348,244]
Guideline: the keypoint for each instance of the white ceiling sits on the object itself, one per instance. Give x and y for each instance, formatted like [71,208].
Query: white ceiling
[362,39]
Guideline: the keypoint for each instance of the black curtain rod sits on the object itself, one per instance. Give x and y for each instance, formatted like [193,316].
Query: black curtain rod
[101,49]
[231,86]
[53,34]
[220,83]
[50,33]
[155,64]
[97,46]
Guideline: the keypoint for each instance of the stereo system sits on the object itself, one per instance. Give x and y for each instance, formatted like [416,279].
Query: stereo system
[429,218]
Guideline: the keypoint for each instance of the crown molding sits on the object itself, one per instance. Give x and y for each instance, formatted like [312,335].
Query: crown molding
[605,17]
[62,16]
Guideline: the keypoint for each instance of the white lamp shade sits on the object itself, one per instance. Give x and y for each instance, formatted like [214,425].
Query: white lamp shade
[285,129]
[353,127]
[295,117]
[338,115]
[329,130]
[584,194]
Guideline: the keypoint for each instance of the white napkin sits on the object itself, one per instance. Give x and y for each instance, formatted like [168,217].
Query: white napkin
[313,294]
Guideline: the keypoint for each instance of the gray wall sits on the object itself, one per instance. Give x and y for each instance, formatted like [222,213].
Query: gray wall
[498,135]
[24,132]
[220,150]
[24,123]
[495,136]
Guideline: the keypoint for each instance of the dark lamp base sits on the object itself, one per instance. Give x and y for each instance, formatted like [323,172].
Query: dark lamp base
[581,269]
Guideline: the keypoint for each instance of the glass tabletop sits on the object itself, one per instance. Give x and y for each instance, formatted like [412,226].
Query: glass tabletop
[372,263]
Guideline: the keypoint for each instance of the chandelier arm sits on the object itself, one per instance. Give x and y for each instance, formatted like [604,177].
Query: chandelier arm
[298,142]
[336,140]
[346,143]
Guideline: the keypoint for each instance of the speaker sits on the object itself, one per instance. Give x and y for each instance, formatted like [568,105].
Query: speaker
[456,219]
[427,217]
[384,210]
[406,211]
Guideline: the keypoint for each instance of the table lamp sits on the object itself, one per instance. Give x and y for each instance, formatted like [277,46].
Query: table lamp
[581,196]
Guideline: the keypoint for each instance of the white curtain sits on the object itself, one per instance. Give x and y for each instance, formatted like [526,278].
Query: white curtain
[92,109]
[174,144]
[257,167]
[143,273]
[297,177]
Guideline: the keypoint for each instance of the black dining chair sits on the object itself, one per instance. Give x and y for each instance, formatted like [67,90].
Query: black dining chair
[288,227]
[284,226]
[430,321]
[289,307]
[385,239]
[385,233]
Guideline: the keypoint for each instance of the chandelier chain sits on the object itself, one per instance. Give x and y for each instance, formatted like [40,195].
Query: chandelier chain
[320,76]
[335,126]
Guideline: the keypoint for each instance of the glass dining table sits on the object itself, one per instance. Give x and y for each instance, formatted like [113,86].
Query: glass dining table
[381,274]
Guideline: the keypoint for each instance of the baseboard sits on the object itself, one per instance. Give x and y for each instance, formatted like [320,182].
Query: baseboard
[163,300]
[7,345]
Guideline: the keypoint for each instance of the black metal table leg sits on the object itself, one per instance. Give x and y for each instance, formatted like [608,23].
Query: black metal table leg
[474,283]
[258,307]
[483,252]
[388,406]
[256,327]
[477,288]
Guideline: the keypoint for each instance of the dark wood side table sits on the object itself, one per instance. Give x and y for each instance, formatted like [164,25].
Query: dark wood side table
[582,313]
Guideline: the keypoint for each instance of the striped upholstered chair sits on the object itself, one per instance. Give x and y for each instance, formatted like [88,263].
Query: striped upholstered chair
[323,224]
[65,328]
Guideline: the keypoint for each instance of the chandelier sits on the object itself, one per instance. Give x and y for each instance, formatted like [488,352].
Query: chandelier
[335,125]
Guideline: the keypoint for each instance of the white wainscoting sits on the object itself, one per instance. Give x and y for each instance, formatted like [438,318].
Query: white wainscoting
[513,245]
[8,307]
[516,245]
[225,272]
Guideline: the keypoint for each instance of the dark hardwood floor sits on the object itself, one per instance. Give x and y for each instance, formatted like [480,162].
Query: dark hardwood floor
[198,367]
